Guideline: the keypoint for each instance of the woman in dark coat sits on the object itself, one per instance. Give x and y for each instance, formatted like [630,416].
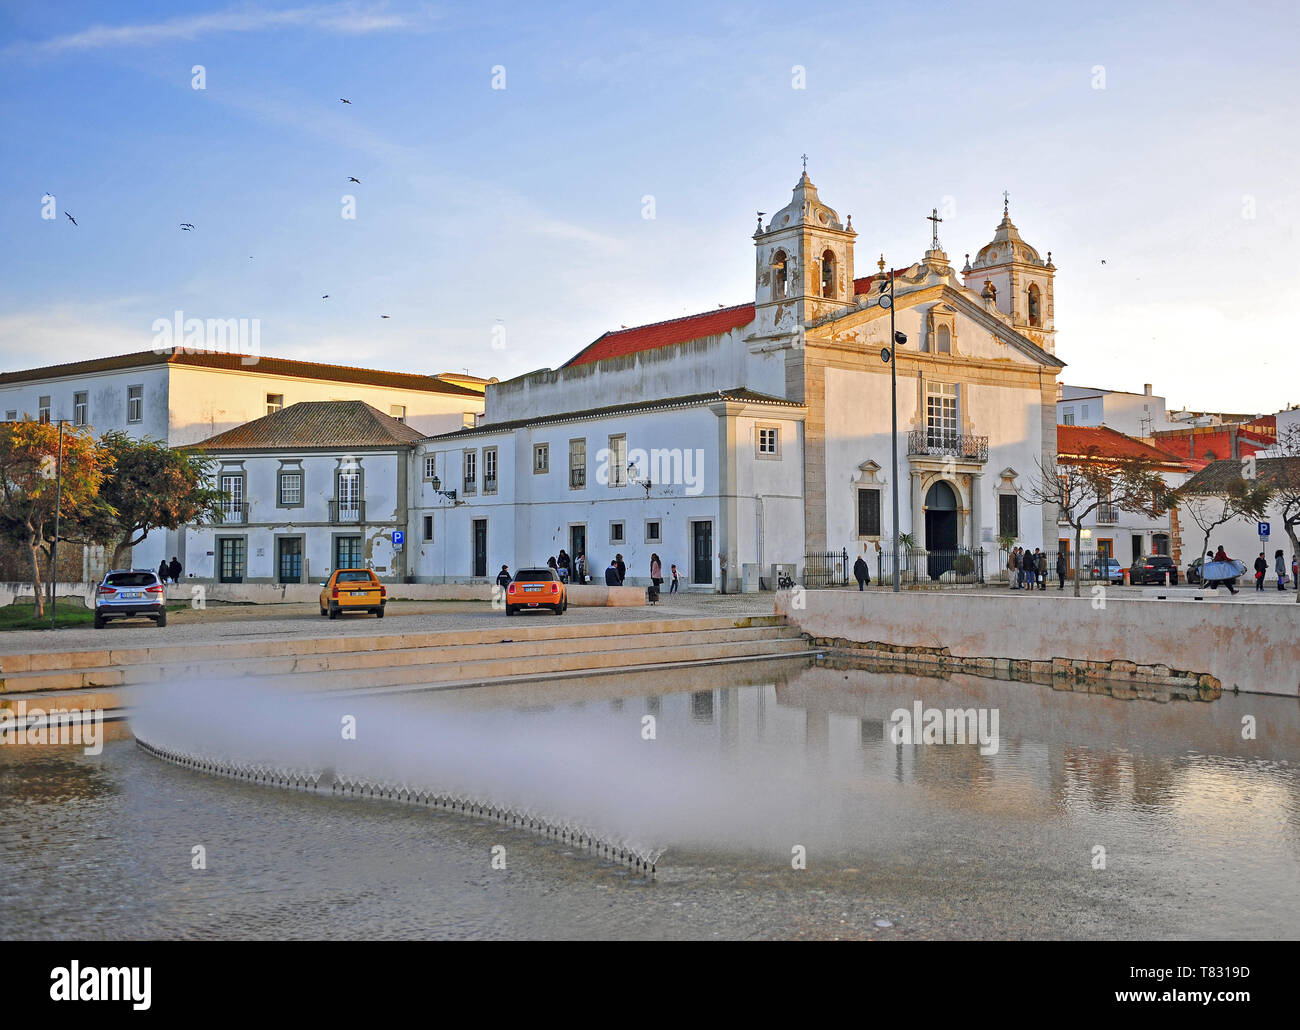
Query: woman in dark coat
[163,572]
[1279,564]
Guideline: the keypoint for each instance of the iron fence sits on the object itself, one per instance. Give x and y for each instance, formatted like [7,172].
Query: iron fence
[1092,564]
[829,569]
[919,567]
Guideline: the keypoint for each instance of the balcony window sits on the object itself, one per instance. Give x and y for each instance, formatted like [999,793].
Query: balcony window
[469,473]
[941,414]
[349,496]
[232,504]
[489,470]
[577,464]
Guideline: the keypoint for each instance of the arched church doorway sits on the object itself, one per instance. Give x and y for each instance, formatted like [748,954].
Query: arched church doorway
[940,526]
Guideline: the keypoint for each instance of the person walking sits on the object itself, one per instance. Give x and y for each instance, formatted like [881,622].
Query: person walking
[580,568]
[1012,571]
[1040,568]
[673,589]
[611,574]
[860,573]
[1021,571]
[1261,570]
[1060,569]
[656,570]
[174,569]
[163,571]
[622,568]
[1280,566]
[503,577]
[1222,555]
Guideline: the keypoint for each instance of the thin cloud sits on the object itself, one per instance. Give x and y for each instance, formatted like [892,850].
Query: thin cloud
[346,19]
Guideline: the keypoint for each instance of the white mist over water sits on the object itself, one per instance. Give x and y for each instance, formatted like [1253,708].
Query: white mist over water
[584,766]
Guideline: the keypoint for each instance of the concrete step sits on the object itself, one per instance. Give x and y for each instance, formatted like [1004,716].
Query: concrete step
[519,628]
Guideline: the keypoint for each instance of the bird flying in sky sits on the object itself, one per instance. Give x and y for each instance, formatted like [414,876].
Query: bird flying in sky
[342,101]
[353,178]
[187,226]
[70,218]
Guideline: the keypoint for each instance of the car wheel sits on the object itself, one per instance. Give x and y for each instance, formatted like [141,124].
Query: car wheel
[161,618]
[324,612]
[509,610]
[334,611]
[379,613]
[99,621]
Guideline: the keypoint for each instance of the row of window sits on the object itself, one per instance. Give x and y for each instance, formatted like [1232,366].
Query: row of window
[232,557]
[81,407]
[869,521]
[653,531]
[290,486]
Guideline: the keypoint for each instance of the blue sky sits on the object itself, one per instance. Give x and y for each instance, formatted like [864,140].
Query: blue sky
[522,207]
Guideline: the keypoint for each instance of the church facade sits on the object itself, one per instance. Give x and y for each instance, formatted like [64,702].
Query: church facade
[779,410]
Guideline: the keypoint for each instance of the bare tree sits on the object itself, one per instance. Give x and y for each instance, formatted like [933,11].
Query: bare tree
[1086,482]
[1283,474]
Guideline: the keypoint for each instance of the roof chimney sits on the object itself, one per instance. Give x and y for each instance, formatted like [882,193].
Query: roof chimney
[1146,389]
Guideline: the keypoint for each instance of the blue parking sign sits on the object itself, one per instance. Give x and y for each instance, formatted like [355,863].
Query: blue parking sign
[1263,529]
[399,537]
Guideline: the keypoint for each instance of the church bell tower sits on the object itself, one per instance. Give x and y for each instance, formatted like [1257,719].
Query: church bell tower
[1011,276]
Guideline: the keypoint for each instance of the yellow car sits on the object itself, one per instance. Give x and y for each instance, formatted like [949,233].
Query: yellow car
[352,590]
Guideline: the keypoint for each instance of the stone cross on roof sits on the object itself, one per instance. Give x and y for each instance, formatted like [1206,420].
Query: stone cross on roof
[933,216]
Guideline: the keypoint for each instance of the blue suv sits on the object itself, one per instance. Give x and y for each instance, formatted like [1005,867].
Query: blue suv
[127,593]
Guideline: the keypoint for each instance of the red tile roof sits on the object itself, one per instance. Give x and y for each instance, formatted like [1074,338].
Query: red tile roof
[680,330]
[1104,442]
[332,425]
[664,334]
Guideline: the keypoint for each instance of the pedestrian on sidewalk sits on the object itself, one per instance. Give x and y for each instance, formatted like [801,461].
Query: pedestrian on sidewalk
[1261,570]
[860,573]
[1222,555]
[565,564]
[174,569]
[673,589]
[611,574]
[1012,571]
[1280,564]
[656,570]
[503,577]
[1040,568]
[163,572]
[622,568]
[1060,569]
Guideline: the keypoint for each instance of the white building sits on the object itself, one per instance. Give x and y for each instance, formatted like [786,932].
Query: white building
[315,486]
[1240,537]
[183,397]
[1133,414]
[680,477]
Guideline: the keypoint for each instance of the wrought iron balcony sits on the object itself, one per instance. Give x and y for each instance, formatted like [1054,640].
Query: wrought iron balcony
[955,445]
[1107,513]
[343,513]
[234,513]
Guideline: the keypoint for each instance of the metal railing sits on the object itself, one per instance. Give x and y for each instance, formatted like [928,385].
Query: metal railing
[347,513]
[1107,513]
[577,478]
[233,513]
[828,569]
[919,567]
[942,444]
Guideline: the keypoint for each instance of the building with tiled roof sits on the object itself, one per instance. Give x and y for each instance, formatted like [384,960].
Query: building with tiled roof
[1241,537]
[316,425]
[183,396]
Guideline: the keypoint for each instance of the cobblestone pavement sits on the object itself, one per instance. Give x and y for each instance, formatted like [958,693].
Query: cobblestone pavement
[258,622]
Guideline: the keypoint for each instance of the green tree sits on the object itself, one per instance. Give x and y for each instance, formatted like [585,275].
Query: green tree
[29,457]
[149,486]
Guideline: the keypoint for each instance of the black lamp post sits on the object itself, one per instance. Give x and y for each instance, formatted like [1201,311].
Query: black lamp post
[897,339]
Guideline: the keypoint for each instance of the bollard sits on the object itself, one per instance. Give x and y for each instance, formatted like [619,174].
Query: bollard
[1126,574]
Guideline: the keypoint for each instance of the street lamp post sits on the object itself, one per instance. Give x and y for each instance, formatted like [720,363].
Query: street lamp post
[888,354]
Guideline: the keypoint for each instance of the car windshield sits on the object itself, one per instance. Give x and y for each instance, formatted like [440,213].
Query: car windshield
[534,576]
[130,579]
[354,577]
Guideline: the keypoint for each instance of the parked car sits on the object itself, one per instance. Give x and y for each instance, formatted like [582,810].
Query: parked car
[1194,575]
[1153,568]
[1108,569]
[536,589]
[353,590]
[130,593]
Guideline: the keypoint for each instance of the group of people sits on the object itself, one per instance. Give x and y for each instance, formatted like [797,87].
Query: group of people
[575,570]
[169,572]
[1032,570]
[1279,569]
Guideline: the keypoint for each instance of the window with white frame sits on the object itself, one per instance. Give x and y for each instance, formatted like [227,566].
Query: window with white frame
[577,464]
[769,441]
[616,533]
[232,504]
[940,414]
[80,407]
[349,493]
[274,402]
[11,415]
[430,466]
[469,473]
[541,458]
[290,488]
[135,403]
[618,461]
[43,409]
[489,470]
[398,411]
[652,532]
